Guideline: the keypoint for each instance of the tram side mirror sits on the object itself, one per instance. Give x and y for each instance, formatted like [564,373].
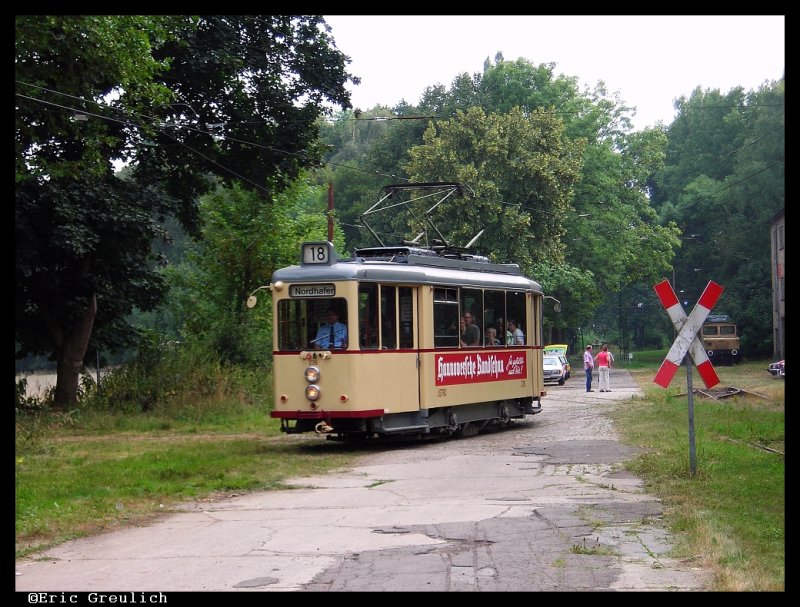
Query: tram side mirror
[252,301]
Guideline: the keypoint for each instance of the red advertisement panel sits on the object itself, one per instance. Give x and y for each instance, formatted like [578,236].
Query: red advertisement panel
[476,367]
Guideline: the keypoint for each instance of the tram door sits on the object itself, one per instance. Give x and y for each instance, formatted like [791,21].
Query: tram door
[387,325]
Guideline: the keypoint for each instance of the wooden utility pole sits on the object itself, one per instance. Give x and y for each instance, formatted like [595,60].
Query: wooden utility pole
[330,211]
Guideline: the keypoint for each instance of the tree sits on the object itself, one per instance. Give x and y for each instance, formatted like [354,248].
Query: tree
[522,171]
[180,98]
[608,234]
[723,180]
[239,250]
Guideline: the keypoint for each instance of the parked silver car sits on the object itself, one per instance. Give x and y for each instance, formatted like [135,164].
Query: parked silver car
[554,370]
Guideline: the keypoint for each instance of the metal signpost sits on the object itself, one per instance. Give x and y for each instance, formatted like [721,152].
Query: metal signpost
[685,342]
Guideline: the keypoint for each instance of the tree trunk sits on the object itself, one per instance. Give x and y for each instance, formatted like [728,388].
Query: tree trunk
[70,353]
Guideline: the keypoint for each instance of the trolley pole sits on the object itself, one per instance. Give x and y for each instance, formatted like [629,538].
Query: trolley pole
[330,211]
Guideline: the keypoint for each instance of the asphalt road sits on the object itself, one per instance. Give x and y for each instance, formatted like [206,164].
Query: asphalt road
[544,505]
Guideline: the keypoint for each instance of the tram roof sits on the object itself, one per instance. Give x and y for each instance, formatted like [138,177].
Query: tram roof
[418,269]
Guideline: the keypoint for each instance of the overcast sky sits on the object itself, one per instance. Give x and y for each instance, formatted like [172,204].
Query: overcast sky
[649,60]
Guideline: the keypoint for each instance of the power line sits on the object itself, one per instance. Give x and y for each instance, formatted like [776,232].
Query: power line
[518,205]
[350,225]
[303,155]
[128,123]
[387,118]
[82,99]
[749,143]
[729,107]
[217,163]
[730,185]
[160,128]
[72,109]
[263,146]
[554,112]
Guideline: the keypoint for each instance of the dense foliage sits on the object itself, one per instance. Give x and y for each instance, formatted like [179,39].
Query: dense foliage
[555,167]
[220,121]
[722,182]
[180,99]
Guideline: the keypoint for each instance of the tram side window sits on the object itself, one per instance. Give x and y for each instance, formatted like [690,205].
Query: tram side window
[368,316]
[384,320]
[406,317]
[517,312]
[536,317]
[494,315]
[388,317]
[472,309]
[445,318]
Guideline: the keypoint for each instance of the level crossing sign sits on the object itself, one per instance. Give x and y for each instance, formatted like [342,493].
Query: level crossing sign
[687,327]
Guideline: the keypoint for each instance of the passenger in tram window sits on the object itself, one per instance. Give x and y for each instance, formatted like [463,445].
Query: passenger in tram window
[501,329]
[470,332]
[517,336]
[491,337]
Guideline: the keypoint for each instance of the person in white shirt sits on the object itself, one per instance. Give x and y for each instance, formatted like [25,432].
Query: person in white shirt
[588,367]
[517,336]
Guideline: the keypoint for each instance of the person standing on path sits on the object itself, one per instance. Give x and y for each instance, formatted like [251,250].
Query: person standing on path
[588,367]
[603,360]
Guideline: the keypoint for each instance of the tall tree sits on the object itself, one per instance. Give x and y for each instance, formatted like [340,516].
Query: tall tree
[723,180]
[180,98]
[522,171]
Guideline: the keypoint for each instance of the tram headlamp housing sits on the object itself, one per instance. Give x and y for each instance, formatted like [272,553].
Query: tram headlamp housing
[312,392]
[311,374]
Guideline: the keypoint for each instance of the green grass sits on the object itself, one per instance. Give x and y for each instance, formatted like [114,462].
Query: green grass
[86,472]
[594,550]
[731,514]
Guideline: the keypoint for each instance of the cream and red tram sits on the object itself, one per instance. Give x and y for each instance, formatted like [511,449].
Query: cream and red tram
[402,369]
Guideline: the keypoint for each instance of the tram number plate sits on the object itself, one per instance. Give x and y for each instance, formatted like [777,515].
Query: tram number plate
[316,253]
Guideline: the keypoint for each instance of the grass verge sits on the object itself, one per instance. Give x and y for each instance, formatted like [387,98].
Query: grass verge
[731,514]
[88,472]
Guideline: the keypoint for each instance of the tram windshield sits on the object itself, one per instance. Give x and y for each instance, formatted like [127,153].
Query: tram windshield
[313,323]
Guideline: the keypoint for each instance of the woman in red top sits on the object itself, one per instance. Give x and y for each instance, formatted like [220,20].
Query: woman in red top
[603,361]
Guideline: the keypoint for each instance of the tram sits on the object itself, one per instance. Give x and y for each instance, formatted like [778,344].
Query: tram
[399,366]
[375,345]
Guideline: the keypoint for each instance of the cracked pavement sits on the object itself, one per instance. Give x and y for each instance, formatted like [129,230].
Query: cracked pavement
[543,505]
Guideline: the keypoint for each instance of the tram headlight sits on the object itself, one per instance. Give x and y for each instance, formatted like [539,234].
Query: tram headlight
[312,374]
[312,392]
